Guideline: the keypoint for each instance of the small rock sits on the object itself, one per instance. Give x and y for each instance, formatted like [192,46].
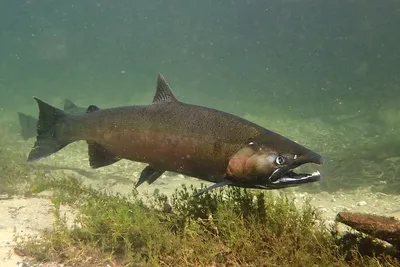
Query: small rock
[19,252]
[4,196]
[167,208]
[361,203]
[323,209]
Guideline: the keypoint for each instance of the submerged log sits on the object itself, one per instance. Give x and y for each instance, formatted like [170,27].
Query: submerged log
[384,228]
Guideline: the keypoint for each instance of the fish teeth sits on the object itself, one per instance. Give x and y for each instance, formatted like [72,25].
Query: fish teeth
[315,173]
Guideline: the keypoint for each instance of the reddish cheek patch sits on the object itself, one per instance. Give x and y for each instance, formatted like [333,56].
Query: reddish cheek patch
[237,165]
[251,165]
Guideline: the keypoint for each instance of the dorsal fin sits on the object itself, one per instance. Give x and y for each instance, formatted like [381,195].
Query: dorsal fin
[163,92]
[92,108]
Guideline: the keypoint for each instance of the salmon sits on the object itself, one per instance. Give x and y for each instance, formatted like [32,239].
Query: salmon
[169,135]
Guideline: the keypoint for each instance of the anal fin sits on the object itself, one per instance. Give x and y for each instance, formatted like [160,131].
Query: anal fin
[149,175]
[99,156]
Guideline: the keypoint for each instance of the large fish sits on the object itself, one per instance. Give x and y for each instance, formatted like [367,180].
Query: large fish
[170,135]
[29,124]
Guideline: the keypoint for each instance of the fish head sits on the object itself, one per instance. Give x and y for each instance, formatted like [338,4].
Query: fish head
[271,165]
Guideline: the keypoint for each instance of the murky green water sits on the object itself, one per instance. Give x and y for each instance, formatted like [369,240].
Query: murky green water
[323,74]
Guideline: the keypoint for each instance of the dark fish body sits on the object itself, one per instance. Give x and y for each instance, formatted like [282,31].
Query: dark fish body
[173,136]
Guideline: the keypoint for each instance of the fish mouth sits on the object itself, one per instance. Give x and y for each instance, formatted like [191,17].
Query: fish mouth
[291,178]
[280,178]
[288,179]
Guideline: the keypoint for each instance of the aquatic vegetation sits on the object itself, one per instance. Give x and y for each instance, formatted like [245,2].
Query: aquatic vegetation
[16,177]
[224,227]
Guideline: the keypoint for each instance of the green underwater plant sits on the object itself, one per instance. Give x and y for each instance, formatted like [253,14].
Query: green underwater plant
[224,227]
[16,177]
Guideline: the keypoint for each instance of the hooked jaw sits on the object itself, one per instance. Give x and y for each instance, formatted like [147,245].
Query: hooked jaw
[290,179]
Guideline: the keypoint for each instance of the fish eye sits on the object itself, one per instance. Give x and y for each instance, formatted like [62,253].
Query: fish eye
[280,160]
[252,144]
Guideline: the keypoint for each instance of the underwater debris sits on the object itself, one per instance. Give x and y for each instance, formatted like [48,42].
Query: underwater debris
[381,227]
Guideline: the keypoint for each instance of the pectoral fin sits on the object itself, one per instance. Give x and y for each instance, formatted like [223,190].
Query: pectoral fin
[149,175]
[220,184]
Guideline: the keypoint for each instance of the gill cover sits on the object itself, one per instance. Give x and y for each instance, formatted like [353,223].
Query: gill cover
[254,162]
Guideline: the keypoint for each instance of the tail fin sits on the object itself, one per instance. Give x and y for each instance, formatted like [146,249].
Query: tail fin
[47,139]
[28,125]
